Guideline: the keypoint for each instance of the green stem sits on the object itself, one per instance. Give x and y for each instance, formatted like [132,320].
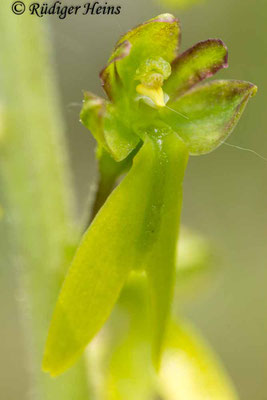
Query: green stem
[36,189]
[109,172]
[104,188]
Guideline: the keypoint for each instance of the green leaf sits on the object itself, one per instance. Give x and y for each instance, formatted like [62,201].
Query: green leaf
[106,125]
[159,36]
[197,63]
[207,114]
[190,369]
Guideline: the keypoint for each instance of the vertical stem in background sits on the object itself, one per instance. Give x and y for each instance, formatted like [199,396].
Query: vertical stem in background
[35,188]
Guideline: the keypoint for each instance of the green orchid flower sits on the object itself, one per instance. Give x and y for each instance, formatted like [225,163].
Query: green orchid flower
[156,114]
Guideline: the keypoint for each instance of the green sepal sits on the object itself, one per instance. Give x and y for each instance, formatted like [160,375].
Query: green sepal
[107,127]
[197,63]
[159,36]
[207,114]
[92,114]
[109,76]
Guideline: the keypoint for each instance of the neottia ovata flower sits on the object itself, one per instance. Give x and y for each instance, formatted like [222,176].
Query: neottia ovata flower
[156,114]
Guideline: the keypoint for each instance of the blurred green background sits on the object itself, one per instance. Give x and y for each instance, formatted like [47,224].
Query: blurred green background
[225,194]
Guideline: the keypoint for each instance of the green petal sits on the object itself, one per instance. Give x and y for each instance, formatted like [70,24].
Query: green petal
[159,36]
[206,115]
[197,63]
[102,119]
[190,370]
